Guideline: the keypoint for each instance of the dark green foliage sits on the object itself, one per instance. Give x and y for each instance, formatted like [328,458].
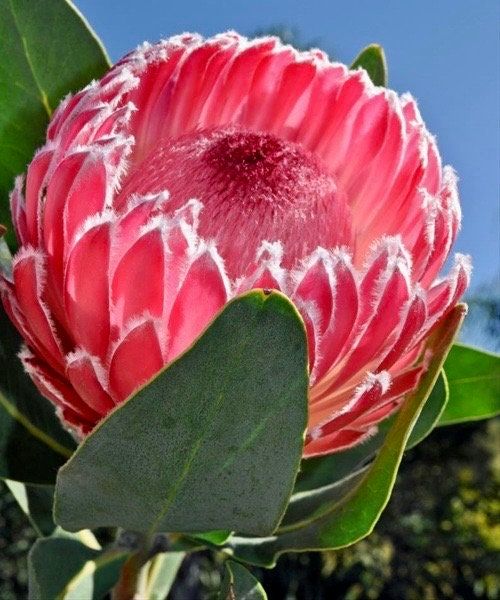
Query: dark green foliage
[372,60]
[335,523]
[474,381]
[239,583]
[36,502]
[46,51]
[435,537]
[58,568]
[33,444]
[196,449]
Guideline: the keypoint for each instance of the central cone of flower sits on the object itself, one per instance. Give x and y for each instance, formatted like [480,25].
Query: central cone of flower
[254,187]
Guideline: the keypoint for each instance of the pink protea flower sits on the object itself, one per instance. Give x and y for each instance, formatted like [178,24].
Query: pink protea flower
[198,169]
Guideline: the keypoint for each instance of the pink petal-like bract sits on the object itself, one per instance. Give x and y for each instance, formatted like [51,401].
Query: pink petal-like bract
[198,169]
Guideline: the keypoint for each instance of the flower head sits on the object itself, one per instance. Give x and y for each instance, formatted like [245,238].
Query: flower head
[198,169]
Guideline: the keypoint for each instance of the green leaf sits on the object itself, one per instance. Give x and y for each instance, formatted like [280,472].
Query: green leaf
[53,562]
[342,523]
[96,577]
[430,415]
[372,60]
[63,567]
[325,470]
[36,502]
[306,506]
[216,538]
[162,570]
[33,444]
[239,584]
[47,49]
[474,381]
[211,443]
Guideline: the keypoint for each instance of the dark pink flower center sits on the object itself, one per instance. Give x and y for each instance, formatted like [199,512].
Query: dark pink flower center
[253,187]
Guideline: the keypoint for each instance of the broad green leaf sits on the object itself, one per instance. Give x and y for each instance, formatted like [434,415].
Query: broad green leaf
[354,517]
[33,444]
[474,381]
[372,59]
[211,443]
[64,568]
[47,49]
[239,584]
[36,502]
[162,570]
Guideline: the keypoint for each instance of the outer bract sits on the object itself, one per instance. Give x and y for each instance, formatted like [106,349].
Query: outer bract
[198,169]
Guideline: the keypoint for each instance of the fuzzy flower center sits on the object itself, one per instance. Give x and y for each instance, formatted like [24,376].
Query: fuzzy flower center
[253,187]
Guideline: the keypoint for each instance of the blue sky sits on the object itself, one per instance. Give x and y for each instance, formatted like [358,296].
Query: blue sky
[446,52]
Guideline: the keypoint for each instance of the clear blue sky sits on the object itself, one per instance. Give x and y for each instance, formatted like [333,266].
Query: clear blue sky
[446,52]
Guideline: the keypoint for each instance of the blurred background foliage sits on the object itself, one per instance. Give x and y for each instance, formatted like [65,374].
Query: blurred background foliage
[438,538]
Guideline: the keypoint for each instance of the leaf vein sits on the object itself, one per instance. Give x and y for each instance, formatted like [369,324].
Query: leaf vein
[43,96]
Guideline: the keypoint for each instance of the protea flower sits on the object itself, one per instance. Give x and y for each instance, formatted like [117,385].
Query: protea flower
[198,169]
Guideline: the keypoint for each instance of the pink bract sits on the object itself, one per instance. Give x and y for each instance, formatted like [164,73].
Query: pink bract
[198,169]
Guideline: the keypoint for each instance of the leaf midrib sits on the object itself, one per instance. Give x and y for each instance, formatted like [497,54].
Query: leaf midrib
[187,466]
[474,379]
[44,100]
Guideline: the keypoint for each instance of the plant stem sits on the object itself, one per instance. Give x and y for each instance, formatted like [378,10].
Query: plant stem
[127,587]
